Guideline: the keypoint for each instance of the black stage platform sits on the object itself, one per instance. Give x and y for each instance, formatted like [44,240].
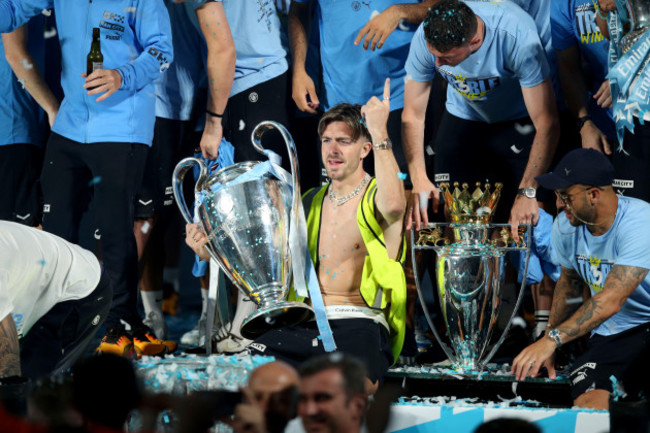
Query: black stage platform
[493,385]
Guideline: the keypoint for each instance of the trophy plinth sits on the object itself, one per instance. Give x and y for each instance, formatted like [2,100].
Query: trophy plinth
[470,253]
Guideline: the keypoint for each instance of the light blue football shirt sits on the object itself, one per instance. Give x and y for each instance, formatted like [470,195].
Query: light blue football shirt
[255,28]
[626,243]
[21,119]
[350,73]
[176,88]
[573,22]
[487,85]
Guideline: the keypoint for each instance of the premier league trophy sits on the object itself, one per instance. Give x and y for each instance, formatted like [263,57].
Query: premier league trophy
[469,265]
[248,210]
[639,13]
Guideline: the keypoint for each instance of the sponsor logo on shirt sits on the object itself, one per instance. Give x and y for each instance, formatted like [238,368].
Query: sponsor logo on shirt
[114,23]
[473,89]
[586,24]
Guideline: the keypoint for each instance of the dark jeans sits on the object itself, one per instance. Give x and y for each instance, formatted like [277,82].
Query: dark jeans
[111,173]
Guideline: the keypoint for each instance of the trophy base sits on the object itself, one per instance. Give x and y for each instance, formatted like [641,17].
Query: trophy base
[278,315]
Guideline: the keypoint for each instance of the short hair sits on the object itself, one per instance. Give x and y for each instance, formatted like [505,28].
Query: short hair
[350,114]
[352,370]
[449,24]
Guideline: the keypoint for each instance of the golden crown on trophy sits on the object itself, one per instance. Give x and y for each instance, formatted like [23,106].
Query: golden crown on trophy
[476,207]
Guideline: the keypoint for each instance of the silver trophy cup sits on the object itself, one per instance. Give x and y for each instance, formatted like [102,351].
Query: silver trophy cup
[639,13]
[248,219]
[469,270]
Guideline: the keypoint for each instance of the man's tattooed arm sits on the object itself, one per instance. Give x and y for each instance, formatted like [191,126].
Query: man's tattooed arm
[569,286]
[9,348]
[619,285]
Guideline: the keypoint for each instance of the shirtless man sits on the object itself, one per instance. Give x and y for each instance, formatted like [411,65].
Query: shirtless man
[355,236]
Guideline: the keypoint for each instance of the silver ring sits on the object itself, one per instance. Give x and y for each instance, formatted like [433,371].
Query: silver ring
[386,98]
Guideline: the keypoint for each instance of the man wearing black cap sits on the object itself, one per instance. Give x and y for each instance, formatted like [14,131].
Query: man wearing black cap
[602,240]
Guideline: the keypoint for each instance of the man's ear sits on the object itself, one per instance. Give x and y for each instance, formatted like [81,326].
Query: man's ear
[365,150]
[358,403]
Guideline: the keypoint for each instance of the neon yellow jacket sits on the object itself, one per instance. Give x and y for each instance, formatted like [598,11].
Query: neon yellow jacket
[383,284]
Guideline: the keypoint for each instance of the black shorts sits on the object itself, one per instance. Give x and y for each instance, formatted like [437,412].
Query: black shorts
[632,164]
[624,356]
[468,151]
[245,110]
[155,193]
[362,338]
[20,165]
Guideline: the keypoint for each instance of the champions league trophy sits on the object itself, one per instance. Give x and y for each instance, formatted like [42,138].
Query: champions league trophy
[470,272]
[639,13]
[248,210]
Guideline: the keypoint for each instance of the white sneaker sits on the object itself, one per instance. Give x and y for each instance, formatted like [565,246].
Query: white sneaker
[196,336]
[233,344]
[156,322]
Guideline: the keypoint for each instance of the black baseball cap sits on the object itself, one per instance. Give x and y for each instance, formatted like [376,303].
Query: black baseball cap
[580,166]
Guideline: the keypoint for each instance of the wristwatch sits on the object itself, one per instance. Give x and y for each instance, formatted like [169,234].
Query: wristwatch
[555,335]
[383,145]
[581,122]
[529,192]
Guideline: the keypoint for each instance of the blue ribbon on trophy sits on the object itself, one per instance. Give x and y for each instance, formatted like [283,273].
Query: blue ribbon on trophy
[629,74]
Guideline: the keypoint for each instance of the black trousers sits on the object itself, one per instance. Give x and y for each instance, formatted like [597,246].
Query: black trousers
[110,173]
[61,336]
[20,196]
[471,151]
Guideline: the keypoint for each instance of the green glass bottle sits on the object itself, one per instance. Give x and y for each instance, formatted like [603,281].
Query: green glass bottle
[95,59]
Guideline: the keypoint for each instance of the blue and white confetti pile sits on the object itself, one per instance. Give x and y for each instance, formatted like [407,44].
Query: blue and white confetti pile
[189,373]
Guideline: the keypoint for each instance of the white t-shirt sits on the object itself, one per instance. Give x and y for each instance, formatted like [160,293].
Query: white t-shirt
[38,270]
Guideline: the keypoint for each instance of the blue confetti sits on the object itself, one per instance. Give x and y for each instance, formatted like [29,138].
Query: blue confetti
[401,175]
[95,180]
[41,262]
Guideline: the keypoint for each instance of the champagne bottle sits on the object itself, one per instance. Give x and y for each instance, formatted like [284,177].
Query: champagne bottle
[95,59]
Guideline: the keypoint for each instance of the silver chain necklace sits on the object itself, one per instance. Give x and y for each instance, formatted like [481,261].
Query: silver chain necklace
[338,201]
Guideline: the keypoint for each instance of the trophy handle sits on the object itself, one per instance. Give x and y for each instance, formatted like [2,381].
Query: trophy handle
[450,354]
[177,184]
[256,138]
[517,304]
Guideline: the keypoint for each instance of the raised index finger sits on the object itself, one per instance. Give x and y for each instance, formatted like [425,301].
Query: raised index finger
[387,89]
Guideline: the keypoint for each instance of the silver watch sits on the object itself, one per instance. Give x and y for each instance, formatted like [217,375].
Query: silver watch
[529,192]
[383,145]
[555,335]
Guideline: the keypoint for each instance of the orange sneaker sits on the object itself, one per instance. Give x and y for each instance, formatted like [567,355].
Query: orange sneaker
[146,344]
[116,342]
[170,345]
